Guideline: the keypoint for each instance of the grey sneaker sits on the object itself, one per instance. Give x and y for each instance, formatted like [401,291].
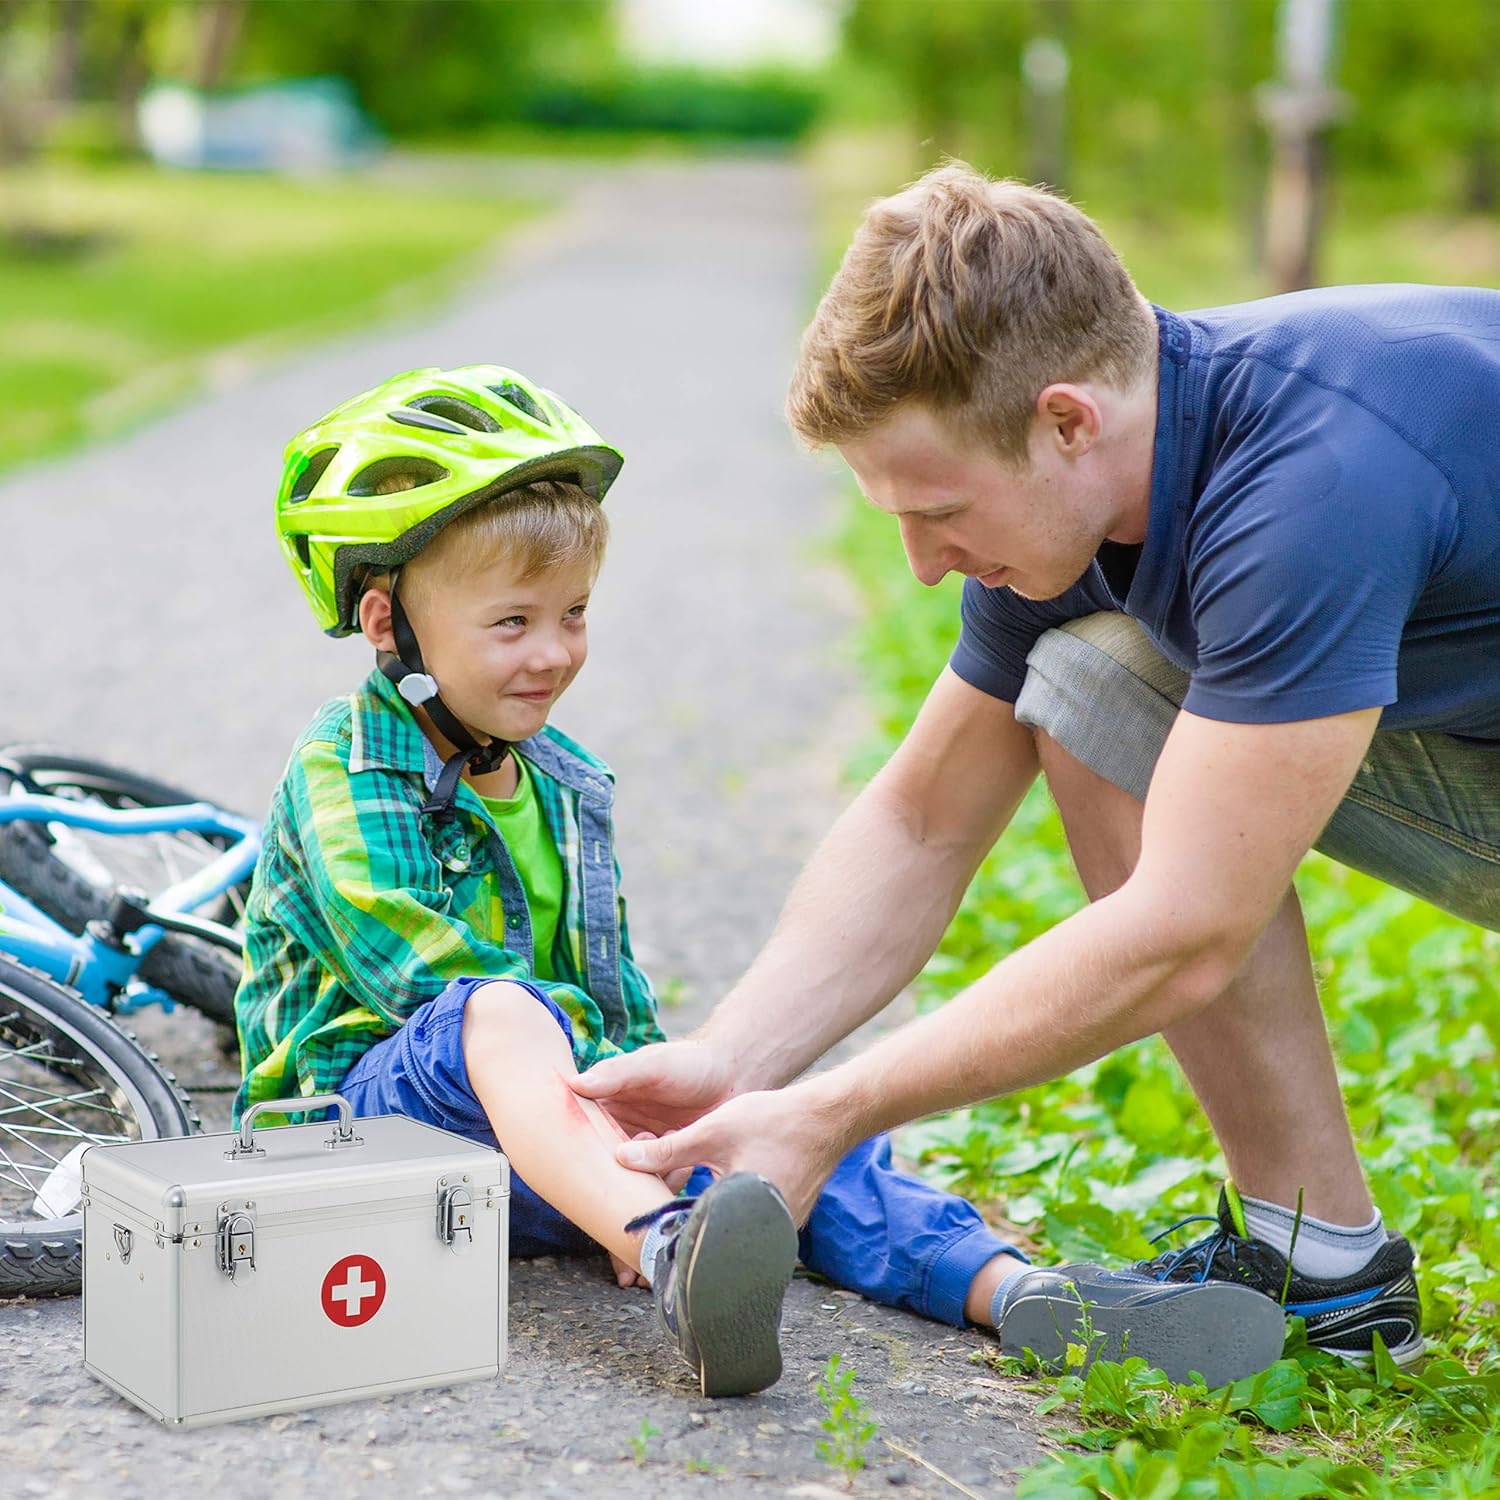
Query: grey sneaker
[719,1279]
[1222,1331]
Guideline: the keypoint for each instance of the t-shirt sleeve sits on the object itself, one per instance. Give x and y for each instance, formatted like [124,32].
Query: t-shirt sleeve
[1303,565]
[1000,627]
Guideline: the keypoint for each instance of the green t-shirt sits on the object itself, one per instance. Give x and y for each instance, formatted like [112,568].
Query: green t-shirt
[519,819]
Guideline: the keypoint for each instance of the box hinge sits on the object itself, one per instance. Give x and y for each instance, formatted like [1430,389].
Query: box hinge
[236,1242]
[455,1217]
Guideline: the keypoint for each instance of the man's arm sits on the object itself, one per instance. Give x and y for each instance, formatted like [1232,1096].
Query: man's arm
[864,916]
[1231,811]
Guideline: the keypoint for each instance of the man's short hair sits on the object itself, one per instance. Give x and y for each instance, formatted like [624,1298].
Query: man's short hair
[535,529]
[972,297]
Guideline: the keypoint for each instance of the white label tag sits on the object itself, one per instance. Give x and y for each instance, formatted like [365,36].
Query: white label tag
[60,1193]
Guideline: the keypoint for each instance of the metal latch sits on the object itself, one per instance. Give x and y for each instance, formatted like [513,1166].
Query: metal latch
[124,1243]
[455,1217]
[236,1242]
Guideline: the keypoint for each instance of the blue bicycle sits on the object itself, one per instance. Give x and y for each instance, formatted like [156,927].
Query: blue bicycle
[81,942]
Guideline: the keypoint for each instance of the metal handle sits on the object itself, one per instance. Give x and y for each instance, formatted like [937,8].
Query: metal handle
[343,1130]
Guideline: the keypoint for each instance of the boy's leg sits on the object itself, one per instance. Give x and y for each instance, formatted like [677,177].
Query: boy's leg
[489,1059]
[905,1243]
[518,1060]
[902,1242]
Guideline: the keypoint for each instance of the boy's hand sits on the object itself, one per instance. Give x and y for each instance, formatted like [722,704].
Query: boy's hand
[661,1087]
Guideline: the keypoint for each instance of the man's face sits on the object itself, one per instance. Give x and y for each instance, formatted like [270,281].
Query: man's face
[963,510]
[504,649]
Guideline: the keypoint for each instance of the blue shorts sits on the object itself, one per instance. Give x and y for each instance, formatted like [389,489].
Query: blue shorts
[875,1230]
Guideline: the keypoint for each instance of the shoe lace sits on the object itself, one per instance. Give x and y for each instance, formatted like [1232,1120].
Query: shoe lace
[1193,1262]
[661,1211]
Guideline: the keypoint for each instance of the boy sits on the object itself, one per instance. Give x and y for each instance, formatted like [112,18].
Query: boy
[435,927]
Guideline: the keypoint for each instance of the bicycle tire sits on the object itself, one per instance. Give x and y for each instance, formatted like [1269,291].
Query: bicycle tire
[47,1031]
[188,969]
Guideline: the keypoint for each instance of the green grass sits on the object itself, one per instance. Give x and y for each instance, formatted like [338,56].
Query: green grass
[1089,1166]
[178,276]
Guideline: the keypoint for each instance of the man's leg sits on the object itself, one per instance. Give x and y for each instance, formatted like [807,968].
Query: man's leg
[1258,1058]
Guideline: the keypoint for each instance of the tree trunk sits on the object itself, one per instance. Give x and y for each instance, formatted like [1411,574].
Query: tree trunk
[1298,109]
[1044,72]
[223,21]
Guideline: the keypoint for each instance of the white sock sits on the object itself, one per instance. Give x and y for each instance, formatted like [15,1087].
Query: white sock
[652,1241]
[1323,1251]
[1021,1268]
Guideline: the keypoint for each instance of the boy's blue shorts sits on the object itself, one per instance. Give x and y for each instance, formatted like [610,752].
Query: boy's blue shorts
[875,1230]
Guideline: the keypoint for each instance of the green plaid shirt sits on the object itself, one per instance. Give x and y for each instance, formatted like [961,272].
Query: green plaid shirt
[363,907]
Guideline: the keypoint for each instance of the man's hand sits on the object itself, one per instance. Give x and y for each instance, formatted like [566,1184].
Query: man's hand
[784,1134]
[661,1087]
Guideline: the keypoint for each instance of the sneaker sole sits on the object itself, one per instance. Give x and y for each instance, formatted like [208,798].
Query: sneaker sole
[736,1273]
[1406,1356]
[1224,1332]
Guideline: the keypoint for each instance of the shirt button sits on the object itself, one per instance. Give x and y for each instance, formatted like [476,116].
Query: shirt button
[513,922]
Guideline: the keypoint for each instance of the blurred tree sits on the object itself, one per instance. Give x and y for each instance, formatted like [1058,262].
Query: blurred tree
[222,22]
[1299,108]
[958,66]
[1044,70]
[420,66]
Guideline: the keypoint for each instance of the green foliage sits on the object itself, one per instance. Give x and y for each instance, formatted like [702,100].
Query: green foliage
[764,105]
[848,1427]
[419,67]
[640,1442]
[1420,84]
[167,269]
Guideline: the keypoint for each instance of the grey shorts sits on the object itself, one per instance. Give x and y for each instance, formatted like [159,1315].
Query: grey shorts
[1423,812]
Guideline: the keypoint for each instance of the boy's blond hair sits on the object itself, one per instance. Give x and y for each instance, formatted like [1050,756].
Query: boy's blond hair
[972,297]
[534,529]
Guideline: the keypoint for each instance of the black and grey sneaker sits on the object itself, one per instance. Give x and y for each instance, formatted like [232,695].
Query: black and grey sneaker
[1342,1315]
[1223,1332]
[719,1279]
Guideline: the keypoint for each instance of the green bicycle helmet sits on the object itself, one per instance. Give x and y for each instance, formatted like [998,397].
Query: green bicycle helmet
[453,439]
[463,436]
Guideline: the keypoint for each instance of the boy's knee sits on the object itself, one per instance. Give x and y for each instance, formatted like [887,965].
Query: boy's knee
[501,1009]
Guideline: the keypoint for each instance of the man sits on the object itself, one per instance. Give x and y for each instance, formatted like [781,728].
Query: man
[1234,588]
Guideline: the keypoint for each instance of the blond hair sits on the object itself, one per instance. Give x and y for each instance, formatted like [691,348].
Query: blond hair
[535,529]
[972,297]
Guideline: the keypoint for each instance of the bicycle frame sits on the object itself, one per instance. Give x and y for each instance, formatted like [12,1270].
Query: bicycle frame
[101,971]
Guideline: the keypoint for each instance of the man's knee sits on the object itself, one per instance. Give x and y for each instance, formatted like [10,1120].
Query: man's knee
[1099,694]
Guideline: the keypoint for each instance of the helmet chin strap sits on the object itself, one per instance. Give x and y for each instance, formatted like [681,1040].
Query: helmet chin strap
[419,688]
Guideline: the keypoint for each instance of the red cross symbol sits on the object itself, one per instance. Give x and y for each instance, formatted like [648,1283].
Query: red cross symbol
[353,1291]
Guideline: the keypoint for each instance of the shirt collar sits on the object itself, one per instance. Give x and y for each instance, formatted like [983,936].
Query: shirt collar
[1173,461]
[385,736]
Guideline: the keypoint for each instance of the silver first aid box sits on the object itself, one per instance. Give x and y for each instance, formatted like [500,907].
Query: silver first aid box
[228,1276]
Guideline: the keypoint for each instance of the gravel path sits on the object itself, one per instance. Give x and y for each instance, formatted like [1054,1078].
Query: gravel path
[665,301]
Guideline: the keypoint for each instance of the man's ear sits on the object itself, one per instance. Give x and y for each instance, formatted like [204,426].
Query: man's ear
[1071,418]
[375,614]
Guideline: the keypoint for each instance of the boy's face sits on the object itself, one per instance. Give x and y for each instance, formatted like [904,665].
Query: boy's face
[503,649]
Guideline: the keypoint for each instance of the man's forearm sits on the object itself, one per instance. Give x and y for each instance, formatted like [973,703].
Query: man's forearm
[864,916]
[1093,983]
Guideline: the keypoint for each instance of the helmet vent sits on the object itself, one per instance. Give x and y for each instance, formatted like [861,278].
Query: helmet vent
[409,417]
[400,472]
[523,401]
[454,410]
[307,480]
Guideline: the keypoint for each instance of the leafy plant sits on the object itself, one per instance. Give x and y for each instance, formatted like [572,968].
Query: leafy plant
[848,1426]
[640,1441]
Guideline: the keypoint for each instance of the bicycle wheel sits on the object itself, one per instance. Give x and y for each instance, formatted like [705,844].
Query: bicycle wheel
[69,1076]
[70,873]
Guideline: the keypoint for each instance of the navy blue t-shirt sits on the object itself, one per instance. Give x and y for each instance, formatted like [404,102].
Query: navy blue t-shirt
[1324,529]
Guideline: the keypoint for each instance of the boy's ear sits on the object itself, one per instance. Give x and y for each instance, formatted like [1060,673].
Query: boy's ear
[375,615]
